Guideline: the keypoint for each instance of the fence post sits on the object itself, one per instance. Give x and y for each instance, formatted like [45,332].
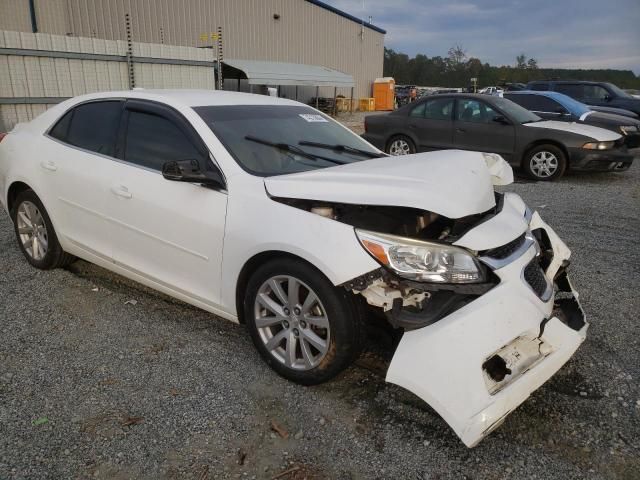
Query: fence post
[220,58]
[132,78]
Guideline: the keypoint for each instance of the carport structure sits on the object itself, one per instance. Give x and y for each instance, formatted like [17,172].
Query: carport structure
[277,74]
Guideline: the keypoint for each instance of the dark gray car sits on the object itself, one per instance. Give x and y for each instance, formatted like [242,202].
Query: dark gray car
[557,106]
[544,149]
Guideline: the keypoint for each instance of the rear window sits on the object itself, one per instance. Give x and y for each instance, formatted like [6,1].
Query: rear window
[92,126]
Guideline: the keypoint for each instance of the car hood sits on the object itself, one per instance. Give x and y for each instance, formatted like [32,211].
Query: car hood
[452,183]
[596,133]
[609,119]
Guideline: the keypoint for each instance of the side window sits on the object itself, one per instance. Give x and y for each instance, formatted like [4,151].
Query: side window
[153,140]
[540,103]
[474,111]
[61,128]
[574,90]
[525,101]
[418,111]
[438,109]
[93,126]
[539,87]
[595,93]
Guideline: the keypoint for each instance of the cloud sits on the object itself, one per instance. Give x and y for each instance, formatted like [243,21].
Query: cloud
[565,33]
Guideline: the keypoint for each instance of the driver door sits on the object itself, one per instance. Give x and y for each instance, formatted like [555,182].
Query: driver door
[170,233]
[475,129]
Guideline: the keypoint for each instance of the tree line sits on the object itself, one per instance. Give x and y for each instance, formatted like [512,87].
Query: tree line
[457,69]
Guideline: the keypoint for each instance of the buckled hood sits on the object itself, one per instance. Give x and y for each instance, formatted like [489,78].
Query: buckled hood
[452,183]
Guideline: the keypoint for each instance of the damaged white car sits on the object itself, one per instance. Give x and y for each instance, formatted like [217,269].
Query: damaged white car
[266,212]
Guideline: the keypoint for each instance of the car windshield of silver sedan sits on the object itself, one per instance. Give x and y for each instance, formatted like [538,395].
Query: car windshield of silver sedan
[269,140]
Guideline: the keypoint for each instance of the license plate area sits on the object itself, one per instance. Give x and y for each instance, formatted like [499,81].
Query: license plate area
[513,360]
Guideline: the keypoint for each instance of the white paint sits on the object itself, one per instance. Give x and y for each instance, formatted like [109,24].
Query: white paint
[452,183]
[597,133]
[585,115]
[442,363]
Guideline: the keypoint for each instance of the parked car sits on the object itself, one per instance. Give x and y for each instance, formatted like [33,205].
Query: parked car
[592,93]
[556,106]
[615,111]
[491,91]
[543,148]
[266,212]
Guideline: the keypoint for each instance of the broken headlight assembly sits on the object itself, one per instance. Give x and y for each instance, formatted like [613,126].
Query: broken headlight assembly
[421,260]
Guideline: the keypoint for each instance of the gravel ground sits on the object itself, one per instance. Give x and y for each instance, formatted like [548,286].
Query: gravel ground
[94,385]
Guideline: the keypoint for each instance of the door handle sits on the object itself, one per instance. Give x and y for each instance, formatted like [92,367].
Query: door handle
[413,125]
[49,165]
[460,130]
[121,191]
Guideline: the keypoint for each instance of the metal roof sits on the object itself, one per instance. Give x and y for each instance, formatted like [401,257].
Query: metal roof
[259,72]
[346,15]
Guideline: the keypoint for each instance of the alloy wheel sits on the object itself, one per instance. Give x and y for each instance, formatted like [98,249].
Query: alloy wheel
[292,322]
[399,147]
[544,164]
[32,230]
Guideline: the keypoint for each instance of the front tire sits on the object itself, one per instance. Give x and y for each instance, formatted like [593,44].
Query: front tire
[35,234]
[304,328]
[400,145]
[544,163]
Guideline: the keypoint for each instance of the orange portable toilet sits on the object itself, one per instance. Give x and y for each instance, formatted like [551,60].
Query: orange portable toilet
[384,92]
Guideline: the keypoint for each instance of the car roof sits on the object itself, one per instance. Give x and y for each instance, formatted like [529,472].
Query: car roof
[191,97]
[584,82]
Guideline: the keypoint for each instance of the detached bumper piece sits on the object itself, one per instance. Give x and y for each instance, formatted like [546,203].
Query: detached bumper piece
[479,363]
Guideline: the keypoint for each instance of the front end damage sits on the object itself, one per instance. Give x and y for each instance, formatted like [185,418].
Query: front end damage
[475,352]
[476,282]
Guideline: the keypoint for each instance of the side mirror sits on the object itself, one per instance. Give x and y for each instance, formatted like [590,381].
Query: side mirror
[501,119]
[189,171]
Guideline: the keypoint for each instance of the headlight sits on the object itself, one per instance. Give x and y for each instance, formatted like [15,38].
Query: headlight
[627,129]
[599,145]
[420,260]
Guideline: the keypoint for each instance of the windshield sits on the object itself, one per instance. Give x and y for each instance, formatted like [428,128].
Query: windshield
[515,111]
[618,91]
[271,140]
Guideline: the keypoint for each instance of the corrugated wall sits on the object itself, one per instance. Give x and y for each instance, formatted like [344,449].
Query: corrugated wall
[304,33]
[28,78]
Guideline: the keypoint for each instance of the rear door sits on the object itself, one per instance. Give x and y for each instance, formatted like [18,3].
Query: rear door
[79,165]
[431,123]
[475,128]
[165,231]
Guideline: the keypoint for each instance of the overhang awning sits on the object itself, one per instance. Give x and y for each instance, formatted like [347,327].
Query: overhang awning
[259,72]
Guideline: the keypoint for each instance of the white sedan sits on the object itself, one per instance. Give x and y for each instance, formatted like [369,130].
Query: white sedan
[267,212]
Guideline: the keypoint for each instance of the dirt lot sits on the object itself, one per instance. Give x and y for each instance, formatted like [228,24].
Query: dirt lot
[101,378]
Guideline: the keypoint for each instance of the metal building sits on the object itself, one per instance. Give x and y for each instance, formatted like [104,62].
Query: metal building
[289,31]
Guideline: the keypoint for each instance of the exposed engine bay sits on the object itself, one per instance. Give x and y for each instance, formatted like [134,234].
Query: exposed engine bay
[406,304]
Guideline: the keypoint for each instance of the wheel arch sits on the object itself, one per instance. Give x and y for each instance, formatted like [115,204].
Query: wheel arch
[15,189]
[252,264]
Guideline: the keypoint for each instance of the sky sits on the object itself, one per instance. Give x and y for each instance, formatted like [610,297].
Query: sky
[558,33]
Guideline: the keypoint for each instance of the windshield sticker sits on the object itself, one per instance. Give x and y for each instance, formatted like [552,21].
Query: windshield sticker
[310,117]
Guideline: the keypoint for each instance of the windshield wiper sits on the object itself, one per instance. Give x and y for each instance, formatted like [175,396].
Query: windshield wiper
[285,147]
[343,148]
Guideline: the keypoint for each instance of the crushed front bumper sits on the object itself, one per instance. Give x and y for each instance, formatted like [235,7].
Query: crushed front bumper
[476,365]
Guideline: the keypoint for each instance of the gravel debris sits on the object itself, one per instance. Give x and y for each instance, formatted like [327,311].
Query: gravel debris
[93,387]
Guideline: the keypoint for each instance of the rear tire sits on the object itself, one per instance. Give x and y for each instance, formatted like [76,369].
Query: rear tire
[304,327]
[544,163]
[400,145]
[35,234]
